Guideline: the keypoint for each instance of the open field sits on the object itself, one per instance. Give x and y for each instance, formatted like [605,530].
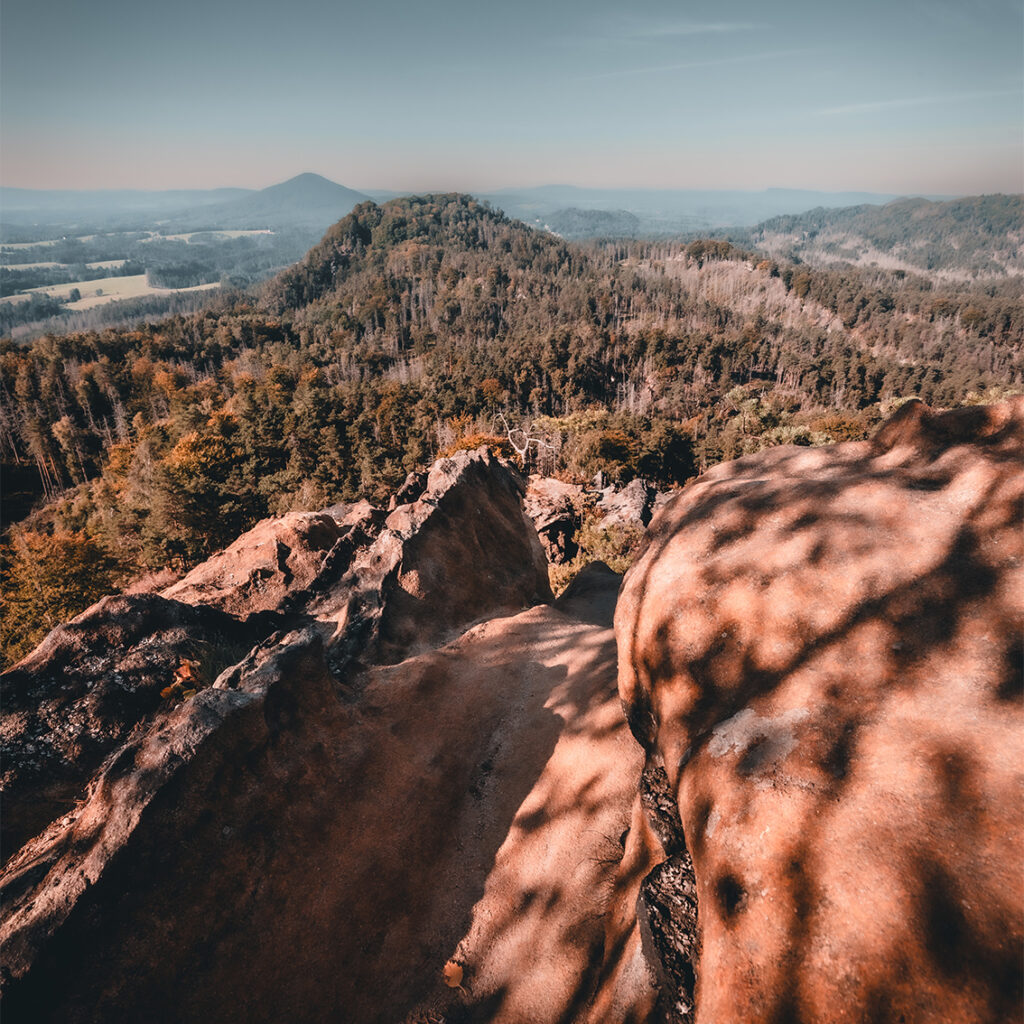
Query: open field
[92,301]
[188,236]
[105,289]
[99,265]
[153,235]
[15,246]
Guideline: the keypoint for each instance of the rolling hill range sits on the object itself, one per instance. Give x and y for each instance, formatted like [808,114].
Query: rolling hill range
[662,212]
[978,236]
[28,206]
[295,715]
[416,324]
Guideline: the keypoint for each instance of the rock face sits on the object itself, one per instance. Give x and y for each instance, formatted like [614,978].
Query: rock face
[260,569]
[400,797]
[275,852]
[554,507]
[823,649]
[632,506]
[559,509]
[89,683]
[326,833]
[462,551]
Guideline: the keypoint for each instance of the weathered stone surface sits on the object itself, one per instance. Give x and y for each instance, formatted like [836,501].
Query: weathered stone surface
[264,566]
[633,505]
[360,513]
[411,490]
[591,594]
[824,648]
[85,688]
[463,551]
[269,851]
[555,509]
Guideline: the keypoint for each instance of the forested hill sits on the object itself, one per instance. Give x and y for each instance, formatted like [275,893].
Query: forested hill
[426,323]
[980,236]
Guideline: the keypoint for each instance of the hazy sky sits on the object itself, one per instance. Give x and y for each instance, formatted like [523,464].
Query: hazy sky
[895,96]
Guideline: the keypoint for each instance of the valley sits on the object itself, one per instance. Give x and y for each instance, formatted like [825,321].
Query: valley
[156,249]
[98,291]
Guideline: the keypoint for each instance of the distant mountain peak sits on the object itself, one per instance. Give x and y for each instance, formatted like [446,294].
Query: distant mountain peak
[307,176]
[307,200]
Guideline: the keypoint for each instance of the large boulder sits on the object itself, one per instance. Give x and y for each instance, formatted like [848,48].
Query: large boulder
[83,690]
[822,648]
[633,505]
[439,845]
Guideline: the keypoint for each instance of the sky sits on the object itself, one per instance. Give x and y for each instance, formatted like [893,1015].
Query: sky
[901,96]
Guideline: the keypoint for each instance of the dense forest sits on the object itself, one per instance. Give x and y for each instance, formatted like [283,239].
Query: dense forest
[574,224]
[429,323]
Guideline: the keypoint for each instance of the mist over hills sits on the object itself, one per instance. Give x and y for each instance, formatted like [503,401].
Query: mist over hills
[31,206]
[673,211]
[262,232]
[311,201]
[305,201]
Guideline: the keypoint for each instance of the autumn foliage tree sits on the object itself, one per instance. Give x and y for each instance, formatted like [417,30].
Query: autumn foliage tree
[49,579]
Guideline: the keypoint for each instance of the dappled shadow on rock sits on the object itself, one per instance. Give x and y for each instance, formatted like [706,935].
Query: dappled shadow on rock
[823,646]
[591,595]
[274,851]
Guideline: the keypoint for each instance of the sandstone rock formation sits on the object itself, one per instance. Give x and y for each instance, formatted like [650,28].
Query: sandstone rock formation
[264,566]
[411,490]
[823,649]
[462,551]
[278,851]
[89,683]
[398,796]
[633,505]
[560,509]
[555,508]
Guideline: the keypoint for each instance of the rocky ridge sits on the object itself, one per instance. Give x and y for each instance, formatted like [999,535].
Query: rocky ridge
[405,788]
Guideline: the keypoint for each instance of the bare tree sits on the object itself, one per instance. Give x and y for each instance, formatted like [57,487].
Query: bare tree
[525,440]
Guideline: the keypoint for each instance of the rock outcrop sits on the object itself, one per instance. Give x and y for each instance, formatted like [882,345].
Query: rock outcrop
[271,562]
[822,648]
[633,505]
[277,851]
[406,789]
[463,551]
[80,694]
[556,509]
